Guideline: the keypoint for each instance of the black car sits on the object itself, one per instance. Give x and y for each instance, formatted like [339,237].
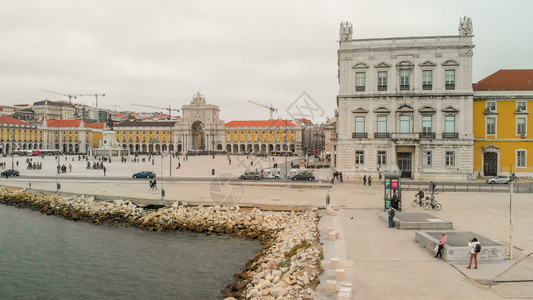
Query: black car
[10,172]
[304,176]
[144,174]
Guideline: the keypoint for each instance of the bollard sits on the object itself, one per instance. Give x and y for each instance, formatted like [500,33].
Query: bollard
[162,193]
[327,200]
[212,171]
[30,185]
[59,186]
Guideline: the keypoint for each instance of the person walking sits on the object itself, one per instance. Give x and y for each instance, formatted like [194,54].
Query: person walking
[105,170]
[340,177]
[69,167]
[392,213]
[474,250]
[394,200]
[151,184]
[364,180]
[369,180]
[441,244]
[155,184]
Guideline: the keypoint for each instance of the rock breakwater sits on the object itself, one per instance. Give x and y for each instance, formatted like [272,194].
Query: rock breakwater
[288,266]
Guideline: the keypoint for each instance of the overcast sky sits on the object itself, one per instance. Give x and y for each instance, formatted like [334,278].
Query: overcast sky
[161,52]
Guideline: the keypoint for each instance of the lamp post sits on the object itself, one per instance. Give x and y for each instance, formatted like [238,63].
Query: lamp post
[286,155]
[162,189]
[12,150]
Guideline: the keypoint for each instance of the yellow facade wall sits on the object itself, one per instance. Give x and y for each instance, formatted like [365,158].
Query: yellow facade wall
[505,141]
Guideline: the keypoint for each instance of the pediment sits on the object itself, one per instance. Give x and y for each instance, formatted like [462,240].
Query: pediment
[450,109]
[382,65]
[450,63]
[428,63]
[426,110]
[405,108]
[382,110]
[359,110]
[405,65]
[360,66]
[490,148]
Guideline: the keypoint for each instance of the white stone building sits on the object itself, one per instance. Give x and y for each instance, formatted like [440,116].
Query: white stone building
[406,101]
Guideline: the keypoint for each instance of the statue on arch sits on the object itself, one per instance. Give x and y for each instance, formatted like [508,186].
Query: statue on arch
[345,31]
[465,26]
[198,99]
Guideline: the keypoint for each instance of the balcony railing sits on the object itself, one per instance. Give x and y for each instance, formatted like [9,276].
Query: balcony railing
[405,136]
[404,87]
[359,88]
[450,86]
[427,135]
[427,87]
[382,88]
[359,135]
[381,135]
[450,135]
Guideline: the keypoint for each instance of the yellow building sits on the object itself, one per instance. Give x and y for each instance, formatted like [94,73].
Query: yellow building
[265,136]
[503,123]
[16,135]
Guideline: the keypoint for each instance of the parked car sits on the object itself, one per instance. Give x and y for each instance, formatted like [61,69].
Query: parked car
[10,172]
[250,175]
[304,176]
[144,174]
[499,179]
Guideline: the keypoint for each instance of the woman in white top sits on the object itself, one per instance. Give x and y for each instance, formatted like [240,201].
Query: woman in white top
[473,254]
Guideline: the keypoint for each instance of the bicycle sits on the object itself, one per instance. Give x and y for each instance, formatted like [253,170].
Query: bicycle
[418,201]
[427,205]
[514,177]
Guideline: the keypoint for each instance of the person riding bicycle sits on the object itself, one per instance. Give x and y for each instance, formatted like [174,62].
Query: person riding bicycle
[432,186]
[420,196]
[432,200]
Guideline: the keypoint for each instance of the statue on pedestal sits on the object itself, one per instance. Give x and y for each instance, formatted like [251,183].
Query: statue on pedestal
[345,31]
[465,26]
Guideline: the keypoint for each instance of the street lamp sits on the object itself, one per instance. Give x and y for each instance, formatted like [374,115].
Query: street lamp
[286,154]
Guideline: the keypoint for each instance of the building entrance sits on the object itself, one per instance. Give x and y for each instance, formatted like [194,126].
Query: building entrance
[490,164]
[404,163]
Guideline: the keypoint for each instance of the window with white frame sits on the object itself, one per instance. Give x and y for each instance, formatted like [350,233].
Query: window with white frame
[360,81]
[427,79]
[426,158]
[405,124]
[521,106]
[450,79]
[491,126]
[359,157]
[382,157]
[382,80]
[382,124]
[491,106]
[359,124]
[521,126]
[520,158]
[404,79]
[449,124]
[427,124]
[449,158]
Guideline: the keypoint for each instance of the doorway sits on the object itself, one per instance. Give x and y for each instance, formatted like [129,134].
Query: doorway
[490,163]
[404,163]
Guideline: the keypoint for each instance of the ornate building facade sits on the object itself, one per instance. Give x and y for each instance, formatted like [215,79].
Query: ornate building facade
[406,101]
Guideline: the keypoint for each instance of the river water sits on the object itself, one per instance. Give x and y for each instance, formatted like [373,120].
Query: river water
[46,257]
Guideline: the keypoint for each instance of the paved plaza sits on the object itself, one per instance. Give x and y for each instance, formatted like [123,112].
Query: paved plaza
[381,262]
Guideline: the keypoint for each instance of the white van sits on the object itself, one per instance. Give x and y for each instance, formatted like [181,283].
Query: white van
[272,173]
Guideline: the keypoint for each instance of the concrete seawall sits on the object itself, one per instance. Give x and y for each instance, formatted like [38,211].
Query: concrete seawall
[288,266]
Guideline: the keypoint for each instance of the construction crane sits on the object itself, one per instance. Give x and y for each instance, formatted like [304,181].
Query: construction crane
[169,108]
[66,95]
[113,105]
[271,108]
[96,95]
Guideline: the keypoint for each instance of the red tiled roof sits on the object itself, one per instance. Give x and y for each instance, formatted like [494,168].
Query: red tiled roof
[11,120]
[63,123]
[506,80]
[95,125]
[304,120]
[261,123]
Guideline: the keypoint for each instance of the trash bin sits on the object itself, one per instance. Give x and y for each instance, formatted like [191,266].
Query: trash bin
[59,186]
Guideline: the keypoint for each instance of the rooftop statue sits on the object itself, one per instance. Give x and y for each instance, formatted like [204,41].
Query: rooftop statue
[198,99]
[465,26]
[345,32]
